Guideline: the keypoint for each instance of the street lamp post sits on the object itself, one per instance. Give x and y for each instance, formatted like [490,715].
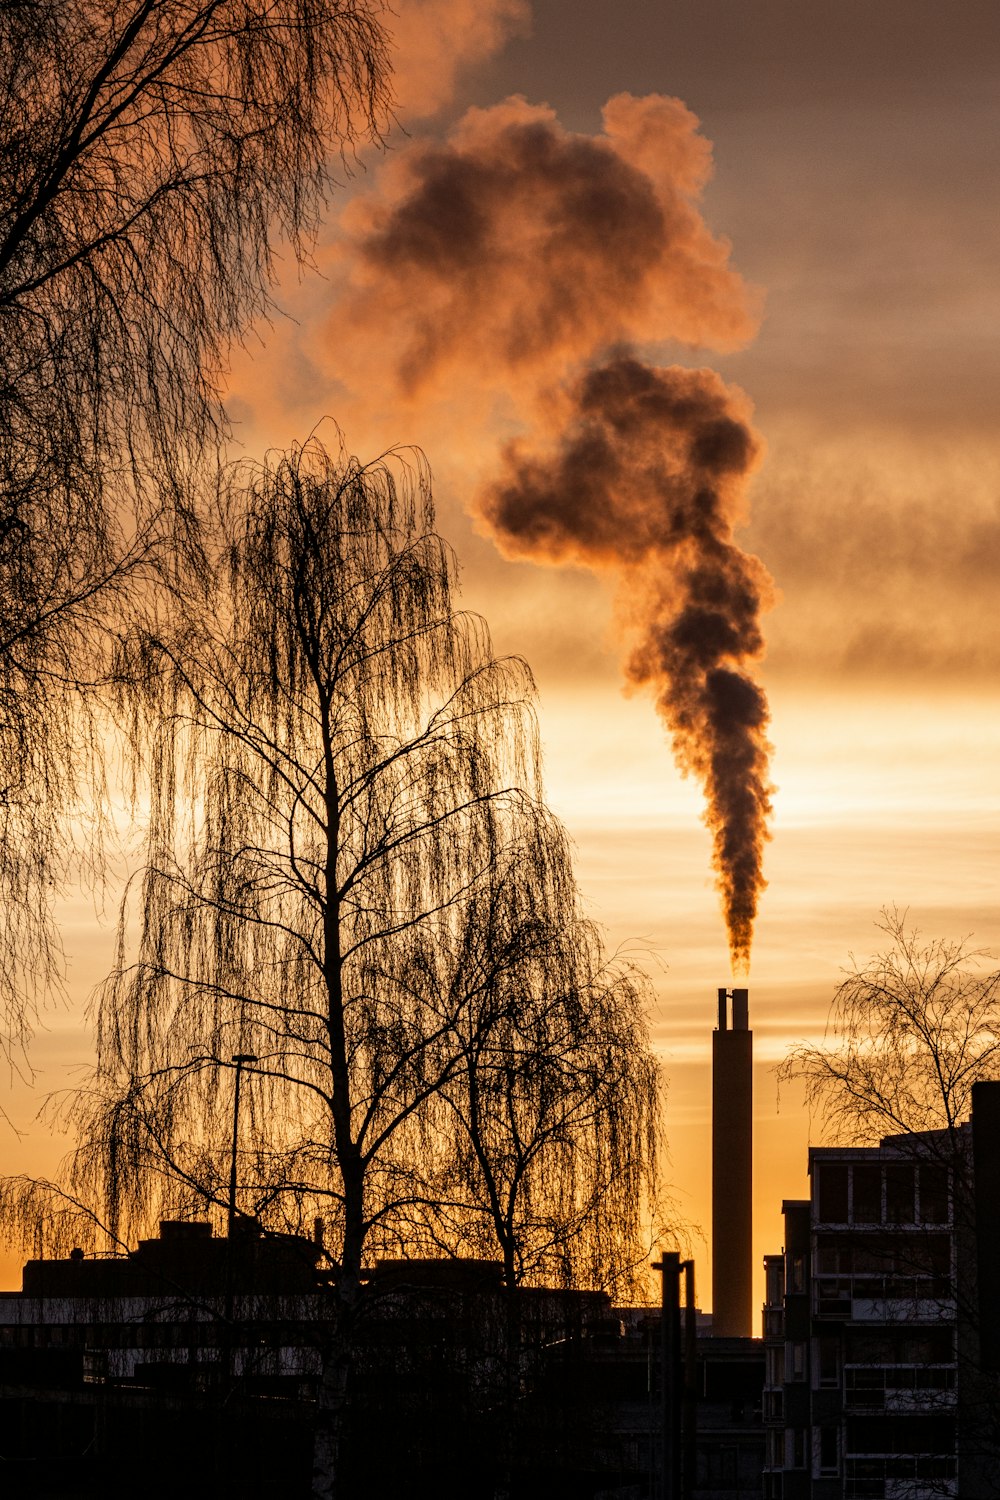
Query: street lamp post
[240,1059]
[670,1449]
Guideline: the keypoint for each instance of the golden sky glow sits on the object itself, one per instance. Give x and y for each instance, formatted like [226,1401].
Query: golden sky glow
[855,157]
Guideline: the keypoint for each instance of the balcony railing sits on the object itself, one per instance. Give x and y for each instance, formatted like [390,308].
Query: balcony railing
[835,1295]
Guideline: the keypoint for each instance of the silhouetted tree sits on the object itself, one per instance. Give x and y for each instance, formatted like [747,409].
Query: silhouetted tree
[343,779]
[910,1032]
[153,154]
[552,1114]
[550,1125]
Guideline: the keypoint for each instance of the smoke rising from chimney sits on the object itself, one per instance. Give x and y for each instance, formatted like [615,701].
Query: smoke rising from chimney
[520,261]
[646,480]
[514,251]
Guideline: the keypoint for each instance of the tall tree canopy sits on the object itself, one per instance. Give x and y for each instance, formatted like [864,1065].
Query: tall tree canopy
[911,1030]
[353,883]
[153,156]
[548,1121]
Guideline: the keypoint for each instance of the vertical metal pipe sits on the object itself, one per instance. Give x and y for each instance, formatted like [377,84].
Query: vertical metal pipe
[232,1163]
[239,1059]
[689,1413]
[670,1350]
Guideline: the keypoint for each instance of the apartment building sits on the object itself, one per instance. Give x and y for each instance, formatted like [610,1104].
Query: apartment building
[881,1336]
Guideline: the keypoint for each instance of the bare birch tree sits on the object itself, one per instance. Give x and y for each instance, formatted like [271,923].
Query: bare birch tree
[911,1030]
[342,771]
[551,1119]
[154,154]
[549,1128]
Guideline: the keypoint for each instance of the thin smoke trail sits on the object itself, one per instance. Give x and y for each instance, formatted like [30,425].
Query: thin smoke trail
[645,481]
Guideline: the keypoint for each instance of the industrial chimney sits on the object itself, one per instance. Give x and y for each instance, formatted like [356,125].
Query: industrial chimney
[732,1171]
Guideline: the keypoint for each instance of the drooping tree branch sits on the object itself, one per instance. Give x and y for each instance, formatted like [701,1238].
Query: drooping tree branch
[910,1031]
[352,879]
[154,156]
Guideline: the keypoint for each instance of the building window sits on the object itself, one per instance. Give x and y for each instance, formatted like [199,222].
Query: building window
[866,1199]
[719,1468]
[795,1362]
[828,1361]
[900,1205]
[828,1450]
[833,1256]
[929,1436]
[796,1448]
[832,1192]
[901,1345]
[933,1194]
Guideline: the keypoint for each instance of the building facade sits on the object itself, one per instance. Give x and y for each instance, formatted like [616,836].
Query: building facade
[880,1350]
[195,1361]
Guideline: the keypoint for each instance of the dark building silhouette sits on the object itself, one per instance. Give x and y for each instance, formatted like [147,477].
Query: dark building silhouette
[711,1440]
[730,1435]
[732,1168]
[186,1366]
[191,1366]
[881,1321]
[194,1363]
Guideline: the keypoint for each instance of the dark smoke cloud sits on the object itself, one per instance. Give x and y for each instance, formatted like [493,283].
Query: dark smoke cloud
[647,479]
[508,260]
[515,249]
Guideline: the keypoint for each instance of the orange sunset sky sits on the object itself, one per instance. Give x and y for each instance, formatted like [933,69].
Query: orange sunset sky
[852,173]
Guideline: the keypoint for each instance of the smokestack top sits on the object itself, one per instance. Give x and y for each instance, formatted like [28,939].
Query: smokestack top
[741,1010]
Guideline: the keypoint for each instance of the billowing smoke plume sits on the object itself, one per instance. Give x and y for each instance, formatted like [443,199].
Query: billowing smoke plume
[647,480]
[509,254]
[522,259]
[434,40]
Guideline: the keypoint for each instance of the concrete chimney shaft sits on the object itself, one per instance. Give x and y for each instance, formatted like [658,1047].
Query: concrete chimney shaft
[732,1169]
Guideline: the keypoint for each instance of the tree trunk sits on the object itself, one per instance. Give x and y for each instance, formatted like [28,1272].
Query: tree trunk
[508,1435]
[333,1395]
[331,1411]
